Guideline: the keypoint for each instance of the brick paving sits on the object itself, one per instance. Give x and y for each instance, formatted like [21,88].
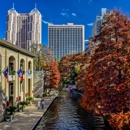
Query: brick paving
[27,119]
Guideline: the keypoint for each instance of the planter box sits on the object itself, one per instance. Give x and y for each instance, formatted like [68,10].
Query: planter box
[0,78]
[11,77]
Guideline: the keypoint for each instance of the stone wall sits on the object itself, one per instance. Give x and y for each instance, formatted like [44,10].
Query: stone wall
[38,83]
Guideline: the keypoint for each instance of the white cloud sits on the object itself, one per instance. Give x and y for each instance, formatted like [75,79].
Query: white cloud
[65,9]
[64,14]
[90,24]
[46,22]
[86,40]
[74,14]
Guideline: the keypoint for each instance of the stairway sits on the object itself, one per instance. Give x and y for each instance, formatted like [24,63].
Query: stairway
[38,83]
[99,123]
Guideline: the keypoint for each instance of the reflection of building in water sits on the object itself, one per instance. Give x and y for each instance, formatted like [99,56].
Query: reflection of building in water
[66,39]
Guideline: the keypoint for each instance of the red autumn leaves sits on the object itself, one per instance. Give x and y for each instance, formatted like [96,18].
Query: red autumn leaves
[52,75]
[105,75]
[78,61]
[108,78]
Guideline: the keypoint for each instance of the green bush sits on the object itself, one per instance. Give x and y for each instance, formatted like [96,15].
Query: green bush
[22,103]
[12,73]
[27,103]
[11,109]
[29,98]
[8,117]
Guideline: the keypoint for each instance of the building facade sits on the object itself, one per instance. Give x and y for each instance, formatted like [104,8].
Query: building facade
[23,29]
[65,39]
[98,22]
[12,89]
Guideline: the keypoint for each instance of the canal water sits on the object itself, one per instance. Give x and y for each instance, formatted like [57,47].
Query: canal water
[65,114]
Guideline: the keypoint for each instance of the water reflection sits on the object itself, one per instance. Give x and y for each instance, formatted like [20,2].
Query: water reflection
[66,114]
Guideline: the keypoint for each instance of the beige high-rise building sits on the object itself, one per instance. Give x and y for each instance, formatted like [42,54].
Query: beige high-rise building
[23,29]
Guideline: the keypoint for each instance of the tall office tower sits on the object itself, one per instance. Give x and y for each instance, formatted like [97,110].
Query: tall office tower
[66,39]
[98,22]
[23,29]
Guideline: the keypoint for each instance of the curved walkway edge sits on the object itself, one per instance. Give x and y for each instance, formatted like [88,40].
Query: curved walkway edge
[35,125]
[31,116]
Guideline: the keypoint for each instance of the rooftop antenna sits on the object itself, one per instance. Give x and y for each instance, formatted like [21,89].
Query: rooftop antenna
[13,5]
[35,5]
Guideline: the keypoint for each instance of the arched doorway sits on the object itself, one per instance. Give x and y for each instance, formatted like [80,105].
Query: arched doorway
[11,91]
[22,82]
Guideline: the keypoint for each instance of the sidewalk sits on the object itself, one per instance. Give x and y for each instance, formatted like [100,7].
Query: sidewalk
[27,119]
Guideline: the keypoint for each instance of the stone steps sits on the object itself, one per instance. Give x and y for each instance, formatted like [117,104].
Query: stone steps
[98,123]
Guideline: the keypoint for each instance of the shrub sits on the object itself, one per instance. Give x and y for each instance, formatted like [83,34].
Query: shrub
[11,109]
[22,103]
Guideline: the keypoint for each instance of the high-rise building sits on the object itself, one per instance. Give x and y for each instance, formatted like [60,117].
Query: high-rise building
[98,21]
[23,29]
[65,39]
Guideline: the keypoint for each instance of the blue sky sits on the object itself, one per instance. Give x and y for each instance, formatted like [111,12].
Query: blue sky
[62,12]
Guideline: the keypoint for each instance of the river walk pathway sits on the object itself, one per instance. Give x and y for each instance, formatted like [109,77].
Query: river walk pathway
[27,119]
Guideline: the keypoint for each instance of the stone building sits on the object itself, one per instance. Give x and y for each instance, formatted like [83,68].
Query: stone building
[14,58]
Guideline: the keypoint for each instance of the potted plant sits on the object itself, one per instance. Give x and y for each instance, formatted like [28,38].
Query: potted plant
[22,103]
[11,76]
[27,103]
[7,117]
[23,72]
[12,72]
[29,99]
[12,110]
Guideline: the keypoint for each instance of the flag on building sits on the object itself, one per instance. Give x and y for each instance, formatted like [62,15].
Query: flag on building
[29,73]
[20,74]
[5,72]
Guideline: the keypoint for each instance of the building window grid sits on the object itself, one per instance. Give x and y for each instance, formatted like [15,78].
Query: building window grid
[66,40]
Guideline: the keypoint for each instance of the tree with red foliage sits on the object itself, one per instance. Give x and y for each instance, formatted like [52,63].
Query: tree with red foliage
[52,76]
[107,80]
[75,63]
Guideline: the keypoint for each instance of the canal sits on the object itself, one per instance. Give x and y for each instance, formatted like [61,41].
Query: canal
[65,114]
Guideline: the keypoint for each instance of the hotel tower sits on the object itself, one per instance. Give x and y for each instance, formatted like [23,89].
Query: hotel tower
[23,29]
[65,39]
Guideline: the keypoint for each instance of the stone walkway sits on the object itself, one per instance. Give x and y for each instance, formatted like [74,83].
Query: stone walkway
[27,119]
